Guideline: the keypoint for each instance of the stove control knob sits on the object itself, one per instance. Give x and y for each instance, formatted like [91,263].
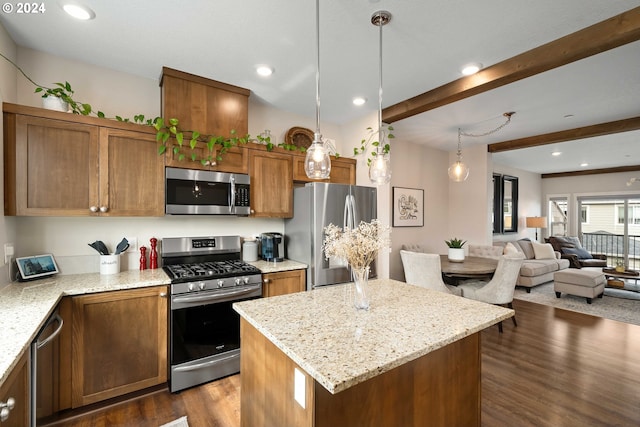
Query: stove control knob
[245,280]
[238,281]
[201,285]
[191,287]
[220,283]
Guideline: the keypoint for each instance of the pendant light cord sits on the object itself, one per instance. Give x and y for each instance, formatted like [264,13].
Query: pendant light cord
[380,132]
[317,137]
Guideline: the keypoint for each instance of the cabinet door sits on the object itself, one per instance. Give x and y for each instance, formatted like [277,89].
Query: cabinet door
[16,386]
[271,184]
[286,282]
[56,168]
[131,174]
[119,343]
[235,160]
[343,171]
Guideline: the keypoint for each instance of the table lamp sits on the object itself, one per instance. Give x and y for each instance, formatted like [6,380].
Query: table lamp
[536,222]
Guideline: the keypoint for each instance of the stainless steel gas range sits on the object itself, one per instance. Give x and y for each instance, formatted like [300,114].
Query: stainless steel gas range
[207,277]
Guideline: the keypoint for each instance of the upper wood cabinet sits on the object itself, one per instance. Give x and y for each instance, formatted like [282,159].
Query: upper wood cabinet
[68,165]
[343,171]
[271,184]
[235,160]
[119,343]
[204,105]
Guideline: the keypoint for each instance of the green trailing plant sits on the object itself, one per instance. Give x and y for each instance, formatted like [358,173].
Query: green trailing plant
[455,243]
[377,139]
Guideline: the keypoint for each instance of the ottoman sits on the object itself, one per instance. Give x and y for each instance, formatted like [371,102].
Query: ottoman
[582,283]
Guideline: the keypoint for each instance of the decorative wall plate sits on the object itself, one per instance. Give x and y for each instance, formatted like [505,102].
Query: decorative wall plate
[300,137]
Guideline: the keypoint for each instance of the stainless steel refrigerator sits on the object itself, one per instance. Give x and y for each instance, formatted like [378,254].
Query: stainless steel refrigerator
[315,206]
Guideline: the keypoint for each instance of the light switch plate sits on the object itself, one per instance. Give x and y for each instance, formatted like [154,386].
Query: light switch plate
[299,387]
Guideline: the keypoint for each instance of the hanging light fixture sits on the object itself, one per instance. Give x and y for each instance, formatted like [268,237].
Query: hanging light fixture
[317,163]
[380,166]
[458,171]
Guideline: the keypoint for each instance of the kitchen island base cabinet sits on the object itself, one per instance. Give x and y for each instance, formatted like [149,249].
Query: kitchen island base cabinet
[119,343]
[17,387]
[441,388]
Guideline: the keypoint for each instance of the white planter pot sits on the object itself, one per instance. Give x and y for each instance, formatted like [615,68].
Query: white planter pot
[456,254]
[55,103]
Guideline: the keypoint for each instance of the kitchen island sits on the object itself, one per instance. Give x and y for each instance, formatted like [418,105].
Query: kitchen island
[412,359]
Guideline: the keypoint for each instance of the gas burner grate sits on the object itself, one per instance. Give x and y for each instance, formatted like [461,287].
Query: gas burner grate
[212,269]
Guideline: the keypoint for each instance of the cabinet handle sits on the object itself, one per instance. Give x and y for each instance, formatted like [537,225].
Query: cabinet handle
[103,209]
[5,408]
[266,281]
[163,294]
[93,209]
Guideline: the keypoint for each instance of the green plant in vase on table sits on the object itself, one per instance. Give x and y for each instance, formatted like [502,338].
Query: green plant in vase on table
[456,250]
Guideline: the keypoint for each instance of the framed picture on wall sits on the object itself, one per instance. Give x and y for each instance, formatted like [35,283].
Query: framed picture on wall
[408,207]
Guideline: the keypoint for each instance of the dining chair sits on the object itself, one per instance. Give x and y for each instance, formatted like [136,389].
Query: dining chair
[422,269]
[499,290]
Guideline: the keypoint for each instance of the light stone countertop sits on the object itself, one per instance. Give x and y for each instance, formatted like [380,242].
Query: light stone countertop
[276,267]
[25,306]
[340,346]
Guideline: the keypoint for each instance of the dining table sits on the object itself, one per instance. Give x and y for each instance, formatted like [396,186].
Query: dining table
[472,267]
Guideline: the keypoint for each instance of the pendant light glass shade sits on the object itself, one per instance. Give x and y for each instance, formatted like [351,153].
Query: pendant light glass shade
[317,163]
[458,171]
[380,166]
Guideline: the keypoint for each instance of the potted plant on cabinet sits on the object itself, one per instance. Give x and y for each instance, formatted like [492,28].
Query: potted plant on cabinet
[456,250]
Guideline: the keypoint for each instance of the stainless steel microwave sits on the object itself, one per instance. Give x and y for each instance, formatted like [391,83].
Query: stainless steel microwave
[197,192]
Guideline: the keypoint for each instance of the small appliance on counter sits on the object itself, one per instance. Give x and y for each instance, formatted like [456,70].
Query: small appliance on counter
[249,249]
[272,247]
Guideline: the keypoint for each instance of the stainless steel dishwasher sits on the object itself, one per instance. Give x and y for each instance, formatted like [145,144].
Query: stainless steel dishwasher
[44,370]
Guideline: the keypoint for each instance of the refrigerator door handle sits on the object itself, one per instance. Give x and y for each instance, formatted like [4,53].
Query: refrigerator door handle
[354,211]
[346,215]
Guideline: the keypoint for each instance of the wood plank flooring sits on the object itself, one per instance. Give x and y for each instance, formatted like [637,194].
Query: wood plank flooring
[557,368]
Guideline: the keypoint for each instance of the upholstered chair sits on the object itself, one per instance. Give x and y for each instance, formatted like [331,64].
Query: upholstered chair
[499,290]
[422,269]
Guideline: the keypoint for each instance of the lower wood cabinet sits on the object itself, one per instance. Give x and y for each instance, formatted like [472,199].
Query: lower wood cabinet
[17,387]
[119,343]
[285,282]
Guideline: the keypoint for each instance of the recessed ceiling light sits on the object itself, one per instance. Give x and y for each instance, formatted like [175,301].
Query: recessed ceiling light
[568,116]
[264,70]
[584,165]
[79,11]
[470,69]
[556,153]
[358,100]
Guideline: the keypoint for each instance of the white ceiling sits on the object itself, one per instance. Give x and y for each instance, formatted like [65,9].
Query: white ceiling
[425,44]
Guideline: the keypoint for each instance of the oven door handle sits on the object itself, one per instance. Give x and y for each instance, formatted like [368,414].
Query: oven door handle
[218,297]
[204,364]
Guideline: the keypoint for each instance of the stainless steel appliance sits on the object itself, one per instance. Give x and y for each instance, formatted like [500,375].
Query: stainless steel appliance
[196,192]
[44,395]
[207,277]
[272,247]
[315,206]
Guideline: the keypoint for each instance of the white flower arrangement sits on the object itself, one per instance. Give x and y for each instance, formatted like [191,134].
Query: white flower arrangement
[359,246]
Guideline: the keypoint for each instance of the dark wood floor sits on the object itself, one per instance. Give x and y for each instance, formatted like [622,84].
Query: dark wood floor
[557,368]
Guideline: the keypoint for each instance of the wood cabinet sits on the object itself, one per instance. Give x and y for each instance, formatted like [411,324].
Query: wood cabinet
[204,105]
[59,164]
[285,282]
[119,343]
[343,170]
[271,184]
[16,386]
[235,160]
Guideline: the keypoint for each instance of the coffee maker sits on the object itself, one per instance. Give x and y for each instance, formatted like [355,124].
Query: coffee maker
[272,247]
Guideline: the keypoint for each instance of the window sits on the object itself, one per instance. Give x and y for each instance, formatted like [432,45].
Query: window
[505,204]
[584,214]
[634,215]
[557,213]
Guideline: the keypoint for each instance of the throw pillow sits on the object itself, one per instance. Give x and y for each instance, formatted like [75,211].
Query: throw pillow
[510,249]
[525,245]
[543,250]
[581,253]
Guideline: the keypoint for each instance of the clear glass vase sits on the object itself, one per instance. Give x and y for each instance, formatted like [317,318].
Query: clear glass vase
[361,295]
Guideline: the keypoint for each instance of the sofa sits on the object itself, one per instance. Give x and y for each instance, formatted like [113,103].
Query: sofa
[538,266]
[571,249]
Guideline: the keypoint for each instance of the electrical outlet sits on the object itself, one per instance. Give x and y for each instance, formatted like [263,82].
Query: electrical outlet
[8,252]
[133,243]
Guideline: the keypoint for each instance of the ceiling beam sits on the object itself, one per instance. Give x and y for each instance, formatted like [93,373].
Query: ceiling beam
[567,135]
[592,172]
[609,34]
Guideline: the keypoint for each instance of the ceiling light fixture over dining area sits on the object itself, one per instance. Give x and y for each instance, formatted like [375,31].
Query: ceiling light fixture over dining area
[458,171]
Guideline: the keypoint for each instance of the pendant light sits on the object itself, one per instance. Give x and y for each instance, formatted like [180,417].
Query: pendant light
[458,171]
[380,166]
[317,163]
